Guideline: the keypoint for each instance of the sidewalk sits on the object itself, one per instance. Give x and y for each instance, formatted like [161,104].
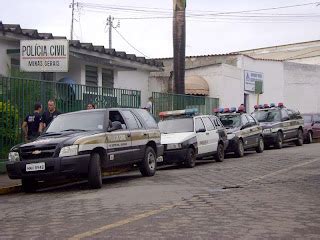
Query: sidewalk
[8,185]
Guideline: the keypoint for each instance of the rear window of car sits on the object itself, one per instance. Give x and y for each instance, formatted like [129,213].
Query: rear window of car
[307,118]
[147,118]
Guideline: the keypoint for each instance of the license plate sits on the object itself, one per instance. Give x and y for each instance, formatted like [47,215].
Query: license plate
[32,167]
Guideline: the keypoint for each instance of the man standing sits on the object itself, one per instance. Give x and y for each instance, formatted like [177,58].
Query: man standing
[149,104]
[31,124]
[49,115]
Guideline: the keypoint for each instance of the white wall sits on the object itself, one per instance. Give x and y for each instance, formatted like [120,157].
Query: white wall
[273,82]
[4,58]
[302,87]
[224,83]
[135,80]
[74,71]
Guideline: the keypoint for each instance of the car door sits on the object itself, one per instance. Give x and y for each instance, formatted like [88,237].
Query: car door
[212,134]
[289,130]
[255,131]
[245,130]
[139,136]
[201,135]
[118,141]
[316,126]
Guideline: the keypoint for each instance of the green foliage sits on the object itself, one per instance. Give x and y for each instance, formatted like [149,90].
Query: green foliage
[9,127]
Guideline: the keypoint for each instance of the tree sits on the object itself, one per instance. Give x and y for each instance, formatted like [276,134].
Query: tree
[179,44]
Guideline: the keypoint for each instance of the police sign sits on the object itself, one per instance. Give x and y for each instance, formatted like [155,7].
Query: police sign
[44,55]
[250,79]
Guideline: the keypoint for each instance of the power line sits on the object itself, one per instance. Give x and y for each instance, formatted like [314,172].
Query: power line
[130,43]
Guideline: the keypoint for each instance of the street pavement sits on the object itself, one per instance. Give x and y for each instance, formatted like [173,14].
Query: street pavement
[273,195]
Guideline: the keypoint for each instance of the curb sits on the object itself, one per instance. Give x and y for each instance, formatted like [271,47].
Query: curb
[11,189]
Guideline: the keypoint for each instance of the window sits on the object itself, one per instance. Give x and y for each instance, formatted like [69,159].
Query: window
[208,123]
[178,125]
[316,118]
[251,120]
[131,120]
[107,78]
[91,76]
[284,114]
[147,118]
[199,124]
[244,120]
[116,116]
[307,118]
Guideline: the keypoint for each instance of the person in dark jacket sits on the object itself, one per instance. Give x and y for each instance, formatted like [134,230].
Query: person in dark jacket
[49,115]
[31,124]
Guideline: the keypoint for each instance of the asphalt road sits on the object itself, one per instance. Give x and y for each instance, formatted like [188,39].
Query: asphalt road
[273,195]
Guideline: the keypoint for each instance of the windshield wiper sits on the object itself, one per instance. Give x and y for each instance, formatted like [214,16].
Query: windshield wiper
[73,130]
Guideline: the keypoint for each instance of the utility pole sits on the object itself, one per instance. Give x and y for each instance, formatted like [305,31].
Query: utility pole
[72,18]
[111,26]
[179,45]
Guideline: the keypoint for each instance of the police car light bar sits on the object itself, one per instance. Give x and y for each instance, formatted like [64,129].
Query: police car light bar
[266,105]
[216,110]
[272,105]
[256,106]
[226,110]
[221,110]
[179,112]
[280,105]
[233,109]
[241,109]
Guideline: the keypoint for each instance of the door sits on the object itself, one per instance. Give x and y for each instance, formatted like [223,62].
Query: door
[289,127]
[245,132]
[139,136]
[212,134]
[316,126]
[255,131]
[118,142]
[202,138]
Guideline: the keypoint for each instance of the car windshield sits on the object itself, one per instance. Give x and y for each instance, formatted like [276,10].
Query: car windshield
[307,118]
[176,125]
[84,121]
[272,115]
[230,121]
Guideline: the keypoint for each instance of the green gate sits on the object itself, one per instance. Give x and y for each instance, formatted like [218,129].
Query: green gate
[18,96]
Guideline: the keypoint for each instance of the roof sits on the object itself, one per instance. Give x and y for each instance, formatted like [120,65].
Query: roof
[196,85]
[208,55]
[34,34]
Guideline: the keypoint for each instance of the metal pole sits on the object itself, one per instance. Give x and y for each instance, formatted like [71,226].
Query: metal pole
[110,31]
[71,32]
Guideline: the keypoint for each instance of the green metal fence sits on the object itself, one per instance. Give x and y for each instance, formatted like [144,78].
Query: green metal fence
[168,102]
[18,96]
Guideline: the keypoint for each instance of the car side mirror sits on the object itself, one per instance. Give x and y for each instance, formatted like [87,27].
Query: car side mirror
[116,125]
[201,130]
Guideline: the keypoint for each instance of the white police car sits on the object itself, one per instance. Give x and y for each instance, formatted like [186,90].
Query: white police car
[187,136]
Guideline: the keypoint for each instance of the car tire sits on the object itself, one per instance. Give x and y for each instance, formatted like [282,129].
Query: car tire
[309,137]
[299,141]
[148,166]
[95,174]
[219,156]
[240,149]
[190,161]
[279,141]
[29,185]
[260,147]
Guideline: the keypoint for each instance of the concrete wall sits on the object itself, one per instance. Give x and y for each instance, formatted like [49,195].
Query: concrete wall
[4,58]
[302,87]
[310,60]
[224,83]
[273,83]
[135,80]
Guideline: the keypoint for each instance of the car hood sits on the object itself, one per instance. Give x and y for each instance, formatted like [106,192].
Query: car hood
[176,137]
[61,138]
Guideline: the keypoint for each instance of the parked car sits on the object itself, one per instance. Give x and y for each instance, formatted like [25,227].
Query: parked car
[279,125]
[311,126]
[85,143]
[187,137]
[244,132]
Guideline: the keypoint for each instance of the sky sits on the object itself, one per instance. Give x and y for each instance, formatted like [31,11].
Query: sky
[152,37]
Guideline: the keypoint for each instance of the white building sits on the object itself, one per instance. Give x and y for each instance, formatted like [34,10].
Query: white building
[296,85]
[88,64]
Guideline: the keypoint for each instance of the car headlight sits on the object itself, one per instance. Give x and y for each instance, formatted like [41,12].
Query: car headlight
[174,146]
[231,135]
[69,151]
[268,130]
[13,157]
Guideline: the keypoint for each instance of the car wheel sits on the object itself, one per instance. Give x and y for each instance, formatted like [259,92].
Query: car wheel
[260,147]
[149,164]
[190,161]
[299,141]
[219,156]
[279,140]
[240,149]
[29,185]
[309,137]
[94,174]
